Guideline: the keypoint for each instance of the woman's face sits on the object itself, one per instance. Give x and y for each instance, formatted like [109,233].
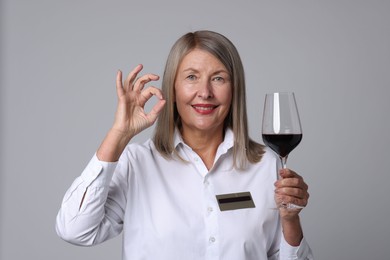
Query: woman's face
[203,92]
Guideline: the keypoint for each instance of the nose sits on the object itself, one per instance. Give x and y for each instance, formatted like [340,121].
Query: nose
[205,90]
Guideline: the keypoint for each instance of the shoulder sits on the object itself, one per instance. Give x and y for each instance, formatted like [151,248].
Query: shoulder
[268,157]
[140,150]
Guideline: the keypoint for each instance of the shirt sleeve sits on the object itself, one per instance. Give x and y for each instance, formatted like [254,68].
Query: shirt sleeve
[88,215]
[301,252]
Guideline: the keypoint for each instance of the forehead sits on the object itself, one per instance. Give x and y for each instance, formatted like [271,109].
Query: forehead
[198,59]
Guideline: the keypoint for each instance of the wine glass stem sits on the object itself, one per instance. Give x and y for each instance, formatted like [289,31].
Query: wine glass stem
[284,161]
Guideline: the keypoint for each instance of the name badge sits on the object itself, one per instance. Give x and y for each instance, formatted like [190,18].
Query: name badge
[232,201]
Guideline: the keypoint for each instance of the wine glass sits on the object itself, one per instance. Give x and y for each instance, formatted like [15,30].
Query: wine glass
[281,129]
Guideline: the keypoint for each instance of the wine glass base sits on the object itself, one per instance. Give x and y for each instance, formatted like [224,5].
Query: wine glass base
[290,206]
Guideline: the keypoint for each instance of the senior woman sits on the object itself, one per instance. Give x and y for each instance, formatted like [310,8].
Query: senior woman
[200,188]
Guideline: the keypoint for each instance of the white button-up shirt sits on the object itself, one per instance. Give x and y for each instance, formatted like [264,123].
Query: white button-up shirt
[167,208]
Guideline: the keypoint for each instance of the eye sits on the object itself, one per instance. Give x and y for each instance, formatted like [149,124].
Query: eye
[191,77]
[218,79]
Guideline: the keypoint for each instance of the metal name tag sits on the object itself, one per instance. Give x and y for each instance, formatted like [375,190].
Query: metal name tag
[232,201]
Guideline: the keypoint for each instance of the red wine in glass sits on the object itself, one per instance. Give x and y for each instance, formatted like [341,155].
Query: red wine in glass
[282,144]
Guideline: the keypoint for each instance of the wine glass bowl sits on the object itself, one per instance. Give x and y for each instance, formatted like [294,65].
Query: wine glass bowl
[281,128]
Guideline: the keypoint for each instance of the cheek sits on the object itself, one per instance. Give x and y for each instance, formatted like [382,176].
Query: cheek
[181,101]
[227,98]
[178,98]
[183,95]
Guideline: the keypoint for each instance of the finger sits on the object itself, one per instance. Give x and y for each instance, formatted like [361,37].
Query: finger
[150,92]
[119,86]
[291,178]
[132,76]
[140,82]
[147,94]
[288,173]
[291,182]
[293,192]
[290,199]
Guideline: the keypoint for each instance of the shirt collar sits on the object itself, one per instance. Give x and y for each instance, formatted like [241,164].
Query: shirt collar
[225,145]
[177,138]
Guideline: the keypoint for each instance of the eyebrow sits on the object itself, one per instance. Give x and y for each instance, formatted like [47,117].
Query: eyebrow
[190,69]
[216,72]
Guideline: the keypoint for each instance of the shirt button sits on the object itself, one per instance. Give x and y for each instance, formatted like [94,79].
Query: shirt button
[196,159]
[210,209]
[206,183]
[212,239]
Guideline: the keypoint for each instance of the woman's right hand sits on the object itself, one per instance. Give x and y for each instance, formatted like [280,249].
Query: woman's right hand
[130,117]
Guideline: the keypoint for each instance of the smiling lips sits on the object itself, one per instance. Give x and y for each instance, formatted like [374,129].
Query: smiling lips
[204,109]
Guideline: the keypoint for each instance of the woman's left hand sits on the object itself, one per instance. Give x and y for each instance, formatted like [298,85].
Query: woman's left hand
[290,188]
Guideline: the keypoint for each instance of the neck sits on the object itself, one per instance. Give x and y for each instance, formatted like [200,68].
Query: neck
[204,143]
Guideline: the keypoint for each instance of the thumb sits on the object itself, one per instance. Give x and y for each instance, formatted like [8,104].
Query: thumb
[153,114]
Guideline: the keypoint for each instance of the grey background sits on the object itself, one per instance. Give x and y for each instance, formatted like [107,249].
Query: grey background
[58,65]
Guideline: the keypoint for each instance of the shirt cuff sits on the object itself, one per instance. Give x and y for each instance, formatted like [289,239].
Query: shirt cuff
[294,252]
[98,172]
